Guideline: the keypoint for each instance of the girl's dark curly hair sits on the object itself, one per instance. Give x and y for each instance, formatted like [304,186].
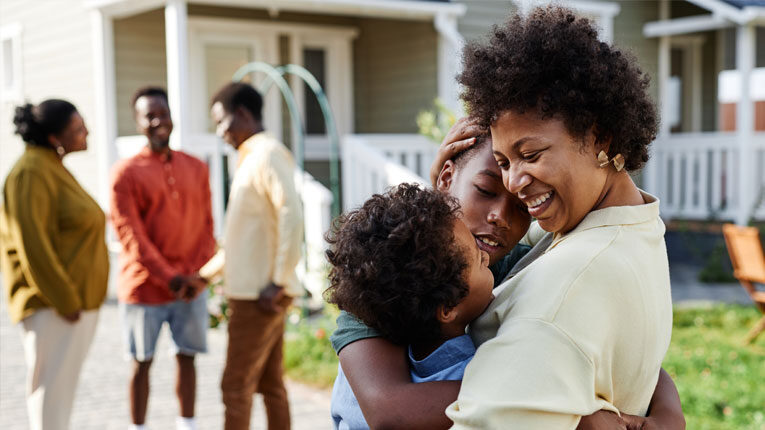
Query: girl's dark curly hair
[552,62]
[395,261]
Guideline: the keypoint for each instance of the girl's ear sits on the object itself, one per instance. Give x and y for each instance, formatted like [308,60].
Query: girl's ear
[446,315]
[444,181]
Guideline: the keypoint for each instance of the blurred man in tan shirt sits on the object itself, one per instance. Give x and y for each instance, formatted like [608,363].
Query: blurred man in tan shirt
[264,228]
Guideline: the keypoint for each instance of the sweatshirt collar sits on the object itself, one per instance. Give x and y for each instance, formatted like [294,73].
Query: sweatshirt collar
[616,215]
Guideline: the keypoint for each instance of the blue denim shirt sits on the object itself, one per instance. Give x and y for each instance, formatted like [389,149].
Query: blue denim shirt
[447,363]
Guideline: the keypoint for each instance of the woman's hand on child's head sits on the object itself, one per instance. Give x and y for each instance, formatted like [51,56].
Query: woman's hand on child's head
[459,138]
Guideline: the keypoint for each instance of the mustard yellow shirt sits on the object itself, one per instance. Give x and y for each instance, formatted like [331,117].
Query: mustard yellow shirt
[584,327]
[52,244]
[264,223]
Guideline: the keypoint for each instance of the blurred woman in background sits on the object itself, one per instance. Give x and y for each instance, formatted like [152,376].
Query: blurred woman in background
[53,257]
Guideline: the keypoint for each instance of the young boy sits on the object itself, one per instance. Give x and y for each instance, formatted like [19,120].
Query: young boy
[407,266]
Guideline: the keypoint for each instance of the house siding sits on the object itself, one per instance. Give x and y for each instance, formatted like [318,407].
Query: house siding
[140,60]
[395,74]
[628,34]
[481,15]
[57,62]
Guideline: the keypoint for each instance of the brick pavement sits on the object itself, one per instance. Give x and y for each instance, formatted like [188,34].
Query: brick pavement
[101,399]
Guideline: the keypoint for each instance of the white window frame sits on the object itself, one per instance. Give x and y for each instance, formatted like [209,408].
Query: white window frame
[14,93]
[335,40]
[339,83]
[263,43]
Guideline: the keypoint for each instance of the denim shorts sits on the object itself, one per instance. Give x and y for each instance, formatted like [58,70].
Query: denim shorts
[188,326]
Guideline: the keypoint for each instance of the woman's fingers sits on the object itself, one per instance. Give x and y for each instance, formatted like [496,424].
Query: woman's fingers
[447,151]
[462,129]
[459,138]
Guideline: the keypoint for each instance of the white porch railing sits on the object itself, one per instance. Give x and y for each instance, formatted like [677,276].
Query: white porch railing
[697,176]
[373,162]
[222,160]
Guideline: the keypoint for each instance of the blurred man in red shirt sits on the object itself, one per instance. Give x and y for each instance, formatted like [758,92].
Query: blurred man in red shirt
[160,208]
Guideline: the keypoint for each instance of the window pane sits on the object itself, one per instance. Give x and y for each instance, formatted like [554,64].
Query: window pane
[314,61]
[8,64]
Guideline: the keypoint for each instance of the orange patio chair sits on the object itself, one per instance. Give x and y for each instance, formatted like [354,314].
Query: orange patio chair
[748,261]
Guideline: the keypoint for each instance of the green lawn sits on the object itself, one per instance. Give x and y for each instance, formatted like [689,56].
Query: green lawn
[720,380]
[308,355]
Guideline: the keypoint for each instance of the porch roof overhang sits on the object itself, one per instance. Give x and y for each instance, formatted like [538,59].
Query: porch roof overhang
[399,9]
[723,15]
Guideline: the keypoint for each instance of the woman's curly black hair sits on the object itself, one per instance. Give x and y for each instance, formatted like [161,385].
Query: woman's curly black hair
[395,261]
[551,61]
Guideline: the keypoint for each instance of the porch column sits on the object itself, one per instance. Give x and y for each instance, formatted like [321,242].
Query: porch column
[106,98]
[450,44]
[176,41]
[745,55]
[652,173]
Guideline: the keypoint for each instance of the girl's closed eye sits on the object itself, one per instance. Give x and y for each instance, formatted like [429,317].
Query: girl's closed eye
[484,192]
[531,156]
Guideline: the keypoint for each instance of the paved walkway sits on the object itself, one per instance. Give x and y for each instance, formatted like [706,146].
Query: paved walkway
[101,399]
[687,291]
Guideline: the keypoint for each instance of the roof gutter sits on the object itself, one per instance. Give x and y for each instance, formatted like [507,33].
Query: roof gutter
[400,9]
[742,16]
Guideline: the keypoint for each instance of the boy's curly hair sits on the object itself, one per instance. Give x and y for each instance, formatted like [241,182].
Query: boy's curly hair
[551,61]
[395,261]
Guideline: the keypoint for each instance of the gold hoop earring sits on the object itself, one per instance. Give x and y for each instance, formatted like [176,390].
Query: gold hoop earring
[618,160]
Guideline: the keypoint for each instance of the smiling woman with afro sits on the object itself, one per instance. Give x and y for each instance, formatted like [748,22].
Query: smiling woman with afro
[553,62]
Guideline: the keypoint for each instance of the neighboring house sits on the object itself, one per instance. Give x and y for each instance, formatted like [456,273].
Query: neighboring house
[381,62]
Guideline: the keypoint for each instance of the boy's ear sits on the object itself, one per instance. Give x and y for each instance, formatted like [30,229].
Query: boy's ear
[446,315]
[444,181]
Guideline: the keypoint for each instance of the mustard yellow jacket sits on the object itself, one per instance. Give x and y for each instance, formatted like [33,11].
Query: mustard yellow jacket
[52,243]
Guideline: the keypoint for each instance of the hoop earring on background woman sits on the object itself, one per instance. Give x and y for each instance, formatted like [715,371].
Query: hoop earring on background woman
[618,160]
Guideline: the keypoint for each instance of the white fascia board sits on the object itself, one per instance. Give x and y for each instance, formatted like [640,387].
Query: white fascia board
[754,14]
[685,25]
[402,9]
[415,10]
[123,8]
[739,16]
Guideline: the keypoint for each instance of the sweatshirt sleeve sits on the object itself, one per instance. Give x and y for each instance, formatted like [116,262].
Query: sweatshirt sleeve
[131,231]
[30,203]
[288,209]
[208,244]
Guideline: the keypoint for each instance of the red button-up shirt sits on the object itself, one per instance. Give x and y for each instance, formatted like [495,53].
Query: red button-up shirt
[160,208]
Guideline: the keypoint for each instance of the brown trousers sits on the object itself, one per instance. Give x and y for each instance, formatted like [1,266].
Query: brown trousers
[254,365]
